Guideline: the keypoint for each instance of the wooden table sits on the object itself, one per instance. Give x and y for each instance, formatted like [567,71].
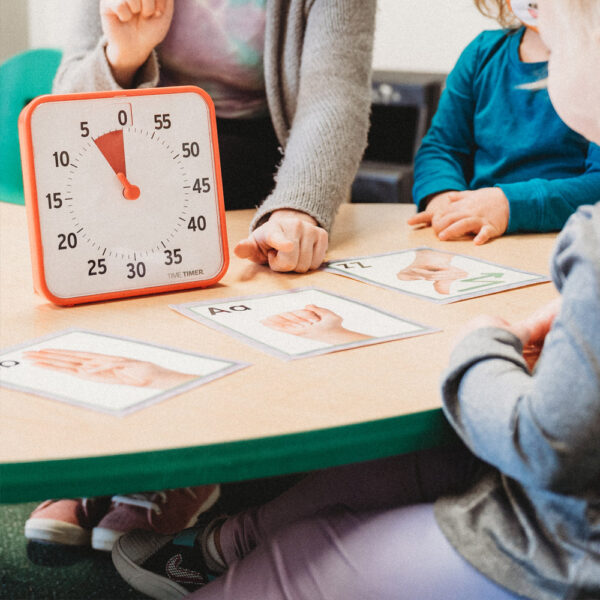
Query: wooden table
[274,417]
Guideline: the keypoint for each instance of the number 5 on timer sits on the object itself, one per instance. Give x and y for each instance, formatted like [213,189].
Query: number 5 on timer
[123,193]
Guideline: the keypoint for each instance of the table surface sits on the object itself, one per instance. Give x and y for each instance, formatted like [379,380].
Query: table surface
[271,418]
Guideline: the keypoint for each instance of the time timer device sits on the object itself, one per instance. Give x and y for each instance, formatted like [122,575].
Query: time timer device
[123,193]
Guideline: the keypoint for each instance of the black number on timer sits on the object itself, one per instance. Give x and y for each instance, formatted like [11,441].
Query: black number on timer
[136,270]
[173,256]
[201,185]
[97,267]
[198,223]
[61,159]
[67,240]
[162,121]
[54,200]
[122,116]
[190,149]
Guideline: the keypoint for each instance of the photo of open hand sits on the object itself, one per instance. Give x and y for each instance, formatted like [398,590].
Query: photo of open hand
[105,368]
[429,265]
[315,323]
[121,374]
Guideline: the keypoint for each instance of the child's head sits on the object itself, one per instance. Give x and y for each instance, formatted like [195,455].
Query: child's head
[526,11]
[571,31]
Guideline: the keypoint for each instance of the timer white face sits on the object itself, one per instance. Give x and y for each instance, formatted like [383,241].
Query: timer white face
[123,191]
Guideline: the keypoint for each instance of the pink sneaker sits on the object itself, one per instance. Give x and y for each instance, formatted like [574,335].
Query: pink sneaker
[165,512]
[67,522]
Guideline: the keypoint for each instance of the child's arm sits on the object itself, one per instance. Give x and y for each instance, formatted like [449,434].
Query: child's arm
[445,159]
[85,66]
[535,205]
[546,204]
[541,429]
[133,28]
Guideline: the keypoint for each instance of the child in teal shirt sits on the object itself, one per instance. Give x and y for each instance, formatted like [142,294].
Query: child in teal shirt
[497,158]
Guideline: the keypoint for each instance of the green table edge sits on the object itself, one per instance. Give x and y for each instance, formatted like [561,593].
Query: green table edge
[223,462]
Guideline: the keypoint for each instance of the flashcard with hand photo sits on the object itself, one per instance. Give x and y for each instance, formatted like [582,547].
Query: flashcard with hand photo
[435,275]
[104,372]
[301,322]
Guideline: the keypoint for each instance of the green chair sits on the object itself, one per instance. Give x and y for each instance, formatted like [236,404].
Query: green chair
[22,78]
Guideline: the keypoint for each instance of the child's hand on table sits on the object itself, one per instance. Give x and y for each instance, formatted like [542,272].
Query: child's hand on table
[483,212]
[437,206]
[133,28]
[289,241]
[453,215]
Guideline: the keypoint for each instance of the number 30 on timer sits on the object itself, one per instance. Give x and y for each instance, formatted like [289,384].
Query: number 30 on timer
[123,193]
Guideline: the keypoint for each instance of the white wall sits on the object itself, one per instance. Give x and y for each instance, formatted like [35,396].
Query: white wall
[13,27]
[424,35]
[45,17]
[411,35]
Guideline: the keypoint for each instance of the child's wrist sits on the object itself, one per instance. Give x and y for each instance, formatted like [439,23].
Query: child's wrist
[123,70]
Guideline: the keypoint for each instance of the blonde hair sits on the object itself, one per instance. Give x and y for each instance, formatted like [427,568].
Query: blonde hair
[499,11]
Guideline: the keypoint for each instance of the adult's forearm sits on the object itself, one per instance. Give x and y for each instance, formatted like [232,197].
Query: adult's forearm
[328,131]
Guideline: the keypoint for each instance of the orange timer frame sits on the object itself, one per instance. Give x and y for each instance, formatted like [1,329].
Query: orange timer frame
[31,195]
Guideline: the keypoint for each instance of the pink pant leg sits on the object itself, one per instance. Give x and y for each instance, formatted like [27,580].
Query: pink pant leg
[381,484]
[392,554]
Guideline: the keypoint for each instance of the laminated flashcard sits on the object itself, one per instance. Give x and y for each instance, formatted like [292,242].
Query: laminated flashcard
[105,372]
[435,275]
[301,322]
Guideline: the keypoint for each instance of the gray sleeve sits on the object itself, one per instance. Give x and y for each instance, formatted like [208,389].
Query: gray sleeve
[329,132]
[541,429]
[84,67]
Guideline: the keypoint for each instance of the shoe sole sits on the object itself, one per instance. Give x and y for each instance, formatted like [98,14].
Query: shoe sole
[57,532]
[104,539]
[146,582]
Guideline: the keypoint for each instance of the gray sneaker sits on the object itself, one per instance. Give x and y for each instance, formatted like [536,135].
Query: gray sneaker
[164,567]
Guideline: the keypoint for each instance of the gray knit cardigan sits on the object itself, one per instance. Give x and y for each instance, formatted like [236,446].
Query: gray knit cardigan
[317,63]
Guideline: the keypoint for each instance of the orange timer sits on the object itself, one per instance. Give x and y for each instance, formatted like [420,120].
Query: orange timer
[123,193]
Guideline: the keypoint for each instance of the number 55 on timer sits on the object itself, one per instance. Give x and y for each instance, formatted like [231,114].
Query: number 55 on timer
[123,193]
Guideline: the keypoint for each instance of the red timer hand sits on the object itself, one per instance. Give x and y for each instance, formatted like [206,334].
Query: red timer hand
[130,191]
[113,149]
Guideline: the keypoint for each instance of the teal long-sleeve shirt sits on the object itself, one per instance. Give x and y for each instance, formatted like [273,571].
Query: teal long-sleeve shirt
[488,131]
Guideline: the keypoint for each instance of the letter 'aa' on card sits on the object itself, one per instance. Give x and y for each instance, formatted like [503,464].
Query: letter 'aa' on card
[301,322]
